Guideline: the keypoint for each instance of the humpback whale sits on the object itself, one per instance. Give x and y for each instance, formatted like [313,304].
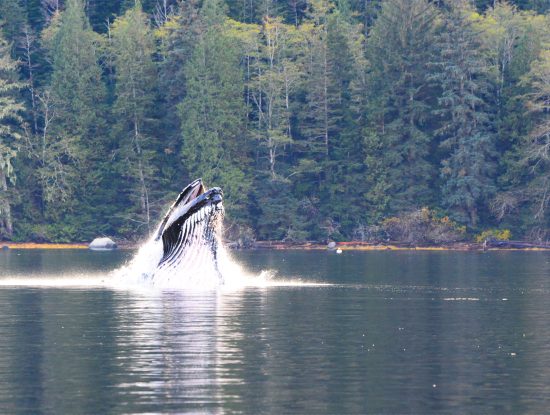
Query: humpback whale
[184,249]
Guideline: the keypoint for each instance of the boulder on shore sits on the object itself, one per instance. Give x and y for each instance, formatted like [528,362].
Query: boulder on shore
[102,244]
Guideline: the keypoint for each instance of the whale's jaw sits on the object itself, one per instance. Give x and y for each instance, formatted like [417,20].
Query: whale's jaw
[190,235]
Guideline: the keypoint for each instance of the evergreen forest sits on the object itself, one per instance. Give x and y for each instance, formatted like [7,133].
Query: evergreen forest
[320,119]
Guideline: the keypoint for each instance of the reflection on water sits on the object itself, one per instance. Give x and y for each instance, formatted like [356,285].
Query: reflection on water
[368,333]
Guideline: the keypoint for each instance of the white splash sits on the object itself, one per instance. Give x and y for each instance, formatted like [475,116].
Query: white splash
[236,277]
[77,281]
[134,276]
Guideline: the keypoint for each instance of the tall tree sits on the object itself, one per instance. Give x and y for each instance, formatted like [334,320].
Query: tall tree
[398,140]
[319,69]
[176,37]
[76,82]
[273,73]
[346,89]
[274,79]
[75,98]
[512,39]
[12,20]
[24,46]
[462,72]
[135,90]
[537,148]
[10,133]
[101,12]
[330,125]
[212,113]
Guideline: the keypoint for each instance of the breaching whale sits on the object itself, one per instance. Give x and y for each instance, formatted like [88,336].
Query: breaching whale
[185,248]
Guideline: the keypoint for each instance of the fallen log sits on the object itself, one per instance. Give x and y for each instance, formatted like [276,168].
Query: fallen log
[514,244]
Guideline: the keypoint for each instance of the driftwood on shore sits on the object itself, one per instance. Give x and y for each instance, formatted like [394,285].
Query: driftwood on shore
[396,245]
[348,245]
[514,244]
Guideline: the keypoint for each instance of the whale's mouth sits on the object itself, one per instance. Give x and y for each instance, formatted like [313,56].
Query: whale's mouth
[193,217]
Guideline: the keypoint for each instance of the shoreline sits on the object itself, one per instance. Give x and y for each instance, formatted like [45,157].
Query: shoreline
[393,246]
[39,245]
[308,246]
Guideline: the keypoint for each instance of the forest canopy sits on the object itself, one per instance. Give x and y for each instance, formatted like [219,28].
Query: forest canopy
[320,119]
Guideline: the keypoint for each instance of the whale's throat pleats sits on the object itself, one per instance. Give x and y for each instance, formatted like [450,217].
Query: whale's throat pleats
[187,237]
[170,238]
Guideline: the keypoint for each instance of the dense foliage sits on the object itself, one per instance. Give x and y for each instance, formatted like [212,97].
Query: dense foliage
[321,119]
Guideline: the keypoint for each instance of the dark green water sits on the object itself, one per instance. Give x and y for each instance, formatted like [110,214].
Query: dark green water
[394,332]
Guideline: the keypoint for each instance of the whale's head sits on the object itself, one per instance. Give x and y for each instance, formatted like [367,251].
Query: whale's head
[190,233]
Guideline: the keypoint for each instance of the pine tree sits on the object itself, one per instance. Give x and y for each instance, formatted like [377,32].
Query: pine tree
[24,47]
[536,150]
[330,124]
[467,139]
[366,11]
[74,138]
[274,75]
[37,14]
[101,12]
[254,11]
[398,139]
[76,84]
[135,77]
[12,20]
[213,112]
[11,121]
[319,69]
[177,37]
[344,188]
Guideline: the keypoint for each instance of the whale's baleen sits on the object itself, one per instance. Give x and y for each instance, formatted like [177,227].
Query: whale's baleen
[190,234]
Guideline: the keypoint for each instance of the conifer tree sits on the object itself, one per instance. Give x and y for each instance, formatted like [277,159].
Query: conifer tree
[344,190]
[274,77]
[177,37]
[319,69]
[135,90]
[536,151]
[10,133]
[340,112]
[74,138]
[512,39]
[76,84]
[398,140]
[101,12]
[462,72]
[330,124]
[12,21]
[212,113]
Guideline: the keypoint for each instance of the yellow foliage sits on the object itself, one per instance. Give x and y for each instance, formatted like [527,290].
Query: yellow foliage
[496,234]
[246,32]
[171,25]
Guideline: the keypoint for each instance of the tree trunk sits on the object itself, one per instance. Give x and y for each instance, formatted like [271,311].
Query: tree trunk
[5,208]
[144,197]
[28,51]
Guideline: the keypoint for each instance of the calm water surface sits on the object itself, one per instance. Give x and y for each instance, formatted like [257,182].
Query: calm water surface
[390,332]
